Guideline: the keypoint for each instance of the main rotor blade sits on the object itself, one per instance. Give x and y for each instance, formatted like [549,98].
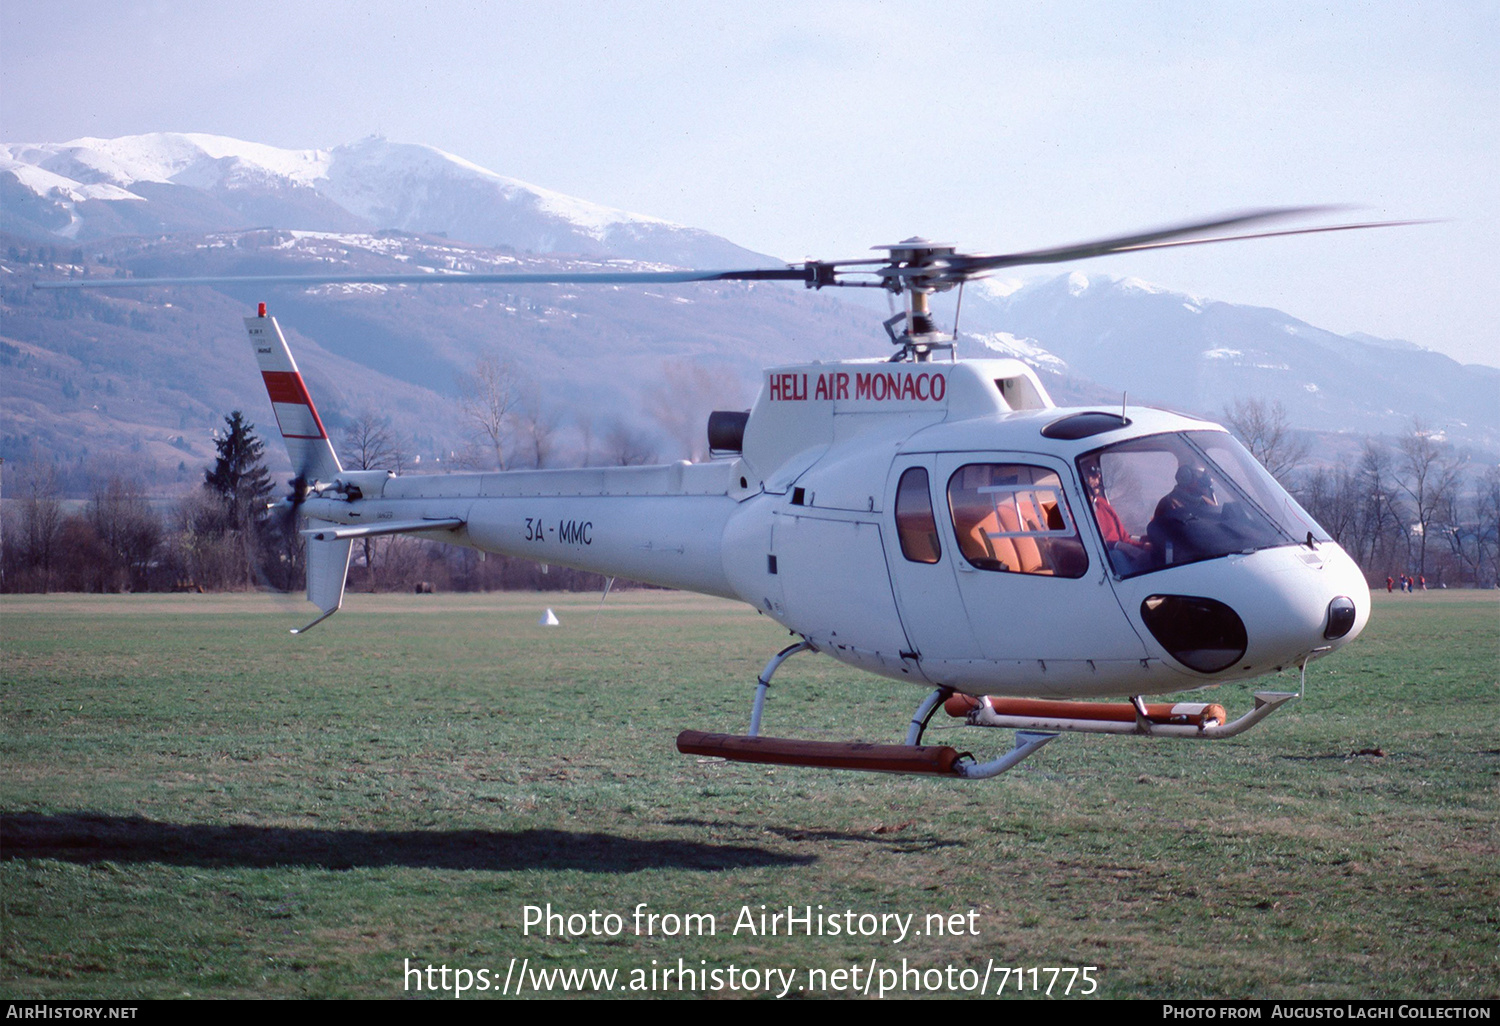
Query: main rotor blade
[969,265]
[791,273]
[1271,235]
[933,271]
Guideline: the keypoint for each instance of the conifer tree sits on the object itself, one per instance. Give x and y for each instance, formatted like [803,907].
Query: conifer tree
[243,485]
[239,476]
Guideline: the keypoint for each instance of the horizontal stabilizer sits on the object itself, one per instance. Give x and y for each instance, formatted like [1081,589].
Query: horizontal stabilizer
[381,527]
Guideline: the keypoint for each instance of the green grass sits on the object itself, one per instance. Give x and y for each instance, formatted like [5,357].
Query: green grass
[197,803]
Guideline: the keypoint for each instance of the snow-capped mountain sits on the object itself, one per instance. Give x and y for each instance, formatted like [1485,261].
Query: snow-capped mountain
[187,182]
[1197,354]
[84,368]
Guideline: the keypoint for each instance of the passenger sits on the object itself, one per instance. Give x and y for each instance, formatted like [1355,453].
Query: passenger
[1128,553]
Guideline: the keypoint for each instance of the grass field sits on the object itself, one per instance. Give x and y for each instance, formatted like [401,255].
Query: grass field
[196,803]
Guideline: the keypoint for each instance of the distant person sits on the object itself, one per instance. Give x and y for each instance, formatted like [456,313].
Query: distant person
[1390,584]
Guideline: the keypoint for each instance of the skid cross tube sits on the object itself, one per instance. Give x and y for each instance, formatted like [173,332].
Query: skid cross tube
[763,682]
[924,714]
[1028,742]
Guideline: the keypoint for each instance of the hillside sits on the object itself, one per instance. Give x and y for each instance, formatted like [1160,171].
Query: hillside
[142,379]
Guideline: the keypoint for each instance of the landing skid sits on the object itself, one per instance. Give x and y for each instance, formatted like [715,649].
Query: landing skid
[1036,722]
[1181,719]
[912,757]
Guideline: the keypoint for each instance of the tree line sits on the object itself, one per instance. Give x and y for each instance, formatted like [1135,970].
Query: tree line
[232,533]
[1414,506]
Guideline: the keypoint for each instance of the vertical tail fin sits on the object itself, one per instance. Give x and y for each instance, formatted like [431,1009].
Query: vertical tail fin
[313,458]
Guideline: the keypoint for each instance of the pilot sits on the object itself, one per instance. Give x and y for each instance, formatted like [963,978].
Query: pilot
[1128,553]
[1188,521]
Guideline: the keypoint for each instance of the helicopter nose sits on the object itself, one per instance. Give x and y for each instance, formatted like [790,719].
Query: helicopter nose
[1277,608]
[1304,609]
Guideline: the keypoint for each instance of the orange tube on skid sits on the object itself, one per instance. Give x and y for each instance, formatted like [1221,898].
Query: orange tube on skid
[1194,714]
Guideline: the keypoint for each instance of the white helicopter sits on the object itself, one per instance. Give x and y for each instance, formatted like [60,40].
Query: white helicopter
[933,520]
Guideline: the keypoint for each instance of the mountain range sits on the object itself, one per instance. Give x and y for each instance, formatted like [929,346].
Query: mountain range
[183,182]
[146,376]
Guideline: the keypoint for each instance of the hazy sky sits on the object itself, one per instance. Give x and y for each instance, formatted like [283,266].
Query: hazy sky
[823,128]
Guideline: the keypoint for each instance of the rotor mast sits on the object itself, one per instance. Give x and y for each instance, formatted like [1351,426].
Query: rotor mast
[910,272]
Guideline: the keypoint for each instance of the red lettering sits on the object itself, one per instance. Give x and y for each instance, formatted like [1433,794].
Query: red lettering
[876,386]
[788,387]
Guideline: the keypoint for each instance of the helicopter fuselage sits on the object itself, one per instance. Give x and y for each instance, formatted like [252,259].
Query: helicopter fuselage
[940,522]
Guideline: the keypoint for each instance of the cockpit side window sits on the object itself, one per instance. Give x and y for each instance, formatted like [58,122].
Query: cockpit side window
[916,524]
[1015,518]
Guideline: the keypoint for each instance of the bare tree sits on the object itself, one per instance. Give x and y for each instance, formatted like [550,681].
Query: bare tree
[1331,495]
[202,548]
[1382,512]
[1268,434]
[369,443]
[683,398]
[1429,473]
[1487,523]
[129,530]
[627,446]
[41,519]
[535,429]
[586,436]
[487,397]
[1469,522]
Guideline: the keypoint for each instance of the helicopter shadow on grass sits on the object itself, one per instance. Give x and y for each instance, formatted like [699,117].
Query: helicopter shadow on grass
[893,836]
[89,838]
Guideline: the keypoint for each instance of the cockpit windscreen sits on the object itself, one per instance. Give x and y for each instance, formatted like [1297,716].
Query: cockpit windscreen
[1180,498]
